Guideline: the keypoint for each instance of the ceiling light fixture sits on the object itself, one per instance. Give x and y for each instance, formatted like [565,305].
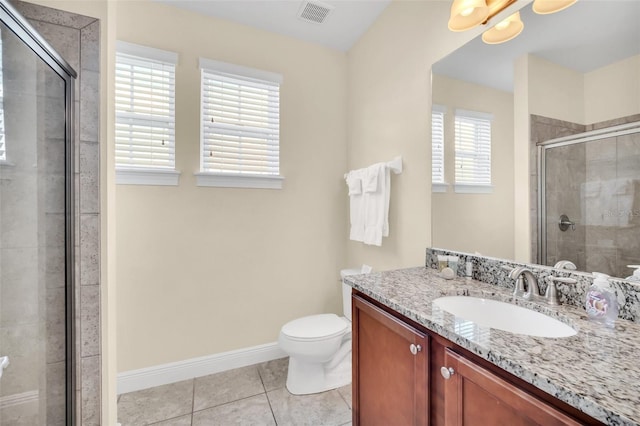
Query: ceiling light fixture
[506,30]
[467,14]
[544,7]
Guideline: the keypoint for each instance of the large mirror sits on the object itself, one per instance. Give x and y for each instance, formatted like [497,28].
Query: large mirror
[563,102]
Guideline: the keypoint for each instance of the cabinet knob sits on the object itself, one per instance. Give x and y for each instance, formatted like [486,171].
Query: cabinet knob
[415,348]
[447,372]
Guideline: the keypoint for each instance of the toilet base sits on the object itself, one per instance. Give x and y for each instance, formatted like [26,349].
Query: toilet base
[305,378]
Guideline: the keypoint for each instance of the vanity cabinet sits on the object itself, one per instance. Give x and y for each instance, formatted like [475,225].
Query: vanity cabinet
[390,374]
[404,374]
[474,395]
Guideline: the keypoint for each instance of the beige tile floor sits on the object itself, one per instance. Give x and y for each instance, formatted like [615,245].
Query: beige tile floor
[254,395]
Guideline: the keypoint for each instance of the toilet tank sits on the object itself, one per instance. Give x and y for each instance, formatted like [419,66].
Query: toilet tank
[346,290]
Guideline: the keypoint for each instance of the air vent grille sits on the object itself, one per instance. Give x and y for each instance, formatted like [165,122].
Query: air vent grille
[314,11]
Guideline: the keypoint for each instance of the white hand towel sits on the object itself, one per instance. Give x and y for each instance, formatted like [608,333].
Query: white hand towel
[356,204]
[372,176]
[590,189]
[387,198]
[376,204]
[354,183]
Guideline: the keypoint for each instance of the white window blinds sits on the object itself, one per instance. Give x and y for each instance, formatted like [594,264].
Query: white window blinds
[473,148]
[240,109]
[145,107]
[437,144]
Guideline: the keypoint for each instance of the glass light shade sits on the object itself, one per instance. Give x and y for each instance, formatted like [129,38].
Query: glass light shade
[544,7]
[504,31]
[466,14]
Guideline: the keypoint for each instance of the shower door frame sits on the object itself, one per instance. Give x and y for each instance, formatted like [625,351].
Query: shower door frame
[30,37]
[607,132]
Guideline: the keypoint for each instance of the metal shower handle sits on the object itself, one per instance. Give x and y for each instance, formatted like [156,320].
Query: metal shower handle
[565,223]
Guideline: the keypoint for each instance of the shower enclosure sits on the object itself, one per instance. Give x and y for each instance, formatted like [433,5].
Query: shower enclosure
[589,200]
[36,228]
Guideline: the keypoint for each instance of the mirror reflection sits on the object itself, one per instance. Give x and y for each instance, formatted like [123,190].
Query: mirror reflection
[562,106]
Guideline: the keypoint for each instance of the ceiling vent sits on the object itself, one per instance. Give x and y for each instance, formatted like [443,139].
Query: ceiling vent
[314,11]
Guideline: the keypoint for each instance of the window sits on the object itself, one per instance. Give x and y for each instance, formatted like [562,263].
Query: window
[145,115]
[437,149]
[473,151]
[240,127]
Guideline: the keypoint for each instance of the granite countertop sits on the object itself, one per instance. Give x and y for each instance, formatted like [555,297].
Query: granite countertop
[595,371]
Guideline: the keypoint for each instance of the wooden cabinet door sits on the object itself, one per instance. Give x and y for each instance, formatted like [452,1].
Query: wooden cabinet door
[389,369]
[475,396]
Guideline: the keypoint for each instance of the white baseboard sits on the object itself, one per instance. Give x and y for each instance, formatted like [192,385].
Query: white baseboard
[150,377]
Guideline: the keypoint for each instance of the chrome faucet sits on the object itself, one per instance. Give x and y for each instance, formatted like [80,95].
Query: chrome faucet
[521,274]
[565,264]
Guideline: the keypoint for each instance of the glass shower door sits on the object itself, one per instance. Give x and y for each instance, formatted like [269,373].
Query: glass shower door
[33,251]
[591,201]
[565,174]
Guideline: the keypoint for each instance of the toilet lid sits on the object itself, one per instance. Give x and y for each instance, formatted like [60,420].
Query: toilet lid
[315,327]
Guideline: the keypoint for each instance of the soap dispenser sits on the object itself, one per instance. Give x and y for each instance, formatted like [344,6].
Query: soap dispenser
[601,303]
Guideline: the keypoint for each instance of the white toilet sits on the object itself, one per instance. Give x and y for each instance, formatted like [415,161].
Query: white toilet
[319,348]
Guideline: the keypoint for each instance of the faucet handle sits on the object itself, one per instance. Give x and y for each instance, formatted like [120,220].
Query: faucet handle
[519,290]
[516,274]
[563,280]
[552,291]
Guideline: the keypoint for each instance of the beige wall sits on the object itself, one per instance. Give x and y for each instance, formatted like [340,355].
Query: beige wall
[607,93]
[207,270]
[613,91]
[389,114]
[476,222]
[522,167]
[555,91]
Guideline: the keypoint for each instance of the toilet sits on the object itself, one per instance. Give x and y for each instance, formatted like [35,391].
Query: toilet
[319,348]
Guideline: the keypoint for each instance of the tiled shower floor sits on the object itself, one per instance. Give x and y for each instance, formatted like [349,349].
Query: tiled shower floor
[254,395]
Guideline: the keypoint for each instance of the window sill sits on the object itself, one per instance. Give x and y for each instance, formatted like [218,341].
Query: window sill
[473,189]
[439,187]
[159,177]
[238,181]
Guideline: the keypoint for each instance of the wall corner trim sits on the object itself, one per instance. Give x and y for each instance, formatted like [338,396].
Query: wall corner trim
[144,378]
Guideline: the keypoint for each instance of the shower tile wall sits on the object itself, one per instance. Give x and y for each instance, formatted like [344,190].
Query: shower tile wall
[616,122]
[76,38]
[543,129]
[565,173]
[612,212]
[20,311]
[597,184]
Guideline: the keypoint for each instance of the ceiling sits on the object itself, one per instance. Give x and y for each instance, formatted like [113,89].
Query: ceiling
[344,25]
[587,36]
[584,37]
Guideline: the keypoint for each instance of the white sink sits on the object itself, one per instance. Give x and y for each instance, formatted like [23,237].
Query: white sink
[504,316]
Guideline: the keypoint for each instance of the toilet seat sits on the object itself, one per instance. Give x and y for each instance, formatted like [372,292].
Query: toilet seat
[315,327]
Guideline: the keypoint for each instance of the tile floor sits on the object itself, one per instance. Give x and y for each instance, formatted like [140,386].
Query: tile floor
[254,395]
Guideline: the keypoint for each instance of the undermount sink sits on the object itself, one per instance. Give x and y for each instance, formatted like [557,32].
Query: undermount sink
[504,316]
